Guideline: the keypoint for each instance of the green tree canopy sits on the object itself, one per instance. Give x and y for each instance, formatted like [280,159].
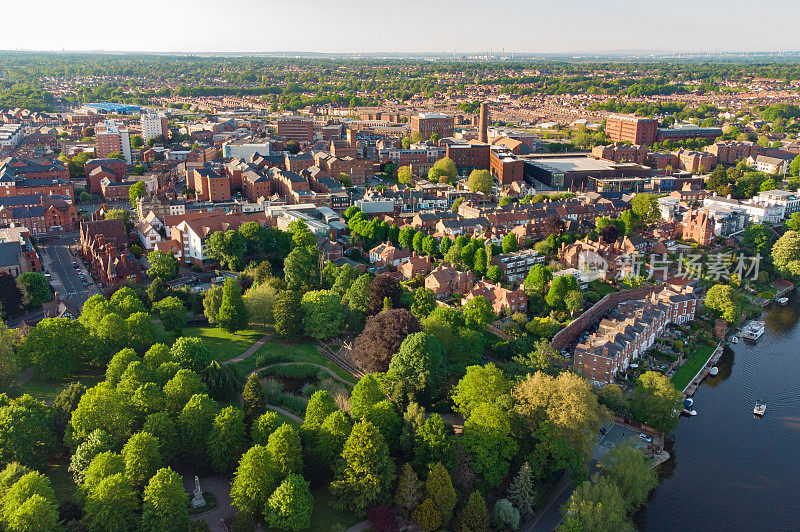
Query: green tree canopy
[367,474]
[323,316]
[291,505]
[656,402]
[112,505]
[232,314]
[227,439]
[165,505]
[163,265]
[480,181]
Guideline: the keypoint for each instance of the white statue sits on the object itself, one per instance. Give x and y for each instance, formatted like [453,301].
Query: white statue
[197,500]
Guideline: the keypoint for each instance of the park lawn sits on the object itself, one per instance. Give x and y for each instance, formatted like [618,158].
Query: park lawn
[684,374]
[223,344]
[276,352]
[326,517]
[48,390]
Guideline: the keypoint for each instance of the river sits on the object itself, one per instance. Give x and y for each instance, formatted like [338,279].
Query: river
[729,470]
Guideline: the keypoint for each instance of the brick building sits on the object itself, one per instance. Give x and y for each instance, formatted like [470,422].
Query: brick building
[505,166]
[622,153]
[115,191]
[97,175]
[696,161]
[298,162]
[104,248]
[211,186]
[633,129]
[255,185]
[296,128]
[469,156]
[628,330]
[698,226]
[500,298]
[445,281]
[515,266]
[733,151]
[427,124]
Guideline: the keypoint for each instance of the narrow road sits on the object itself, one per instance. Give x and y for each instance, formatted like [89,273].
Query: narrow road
[58,260]
[549,515]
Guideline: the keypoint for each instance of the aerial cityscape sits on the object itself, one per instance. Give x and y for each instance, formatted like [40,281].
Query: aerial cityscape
[358,273]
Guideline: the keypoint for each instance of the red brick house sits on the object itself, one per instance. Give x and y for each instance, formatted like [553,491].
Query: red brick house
[104,247]
[446,280]
[499,297]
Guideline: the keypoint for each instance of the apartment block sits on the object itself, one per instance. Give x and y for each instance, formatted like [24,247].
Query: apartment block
[211,186]
[633,129]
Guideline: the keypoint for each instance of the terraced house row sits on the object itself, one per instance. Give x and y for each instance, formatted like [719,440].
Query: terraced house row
[629,330]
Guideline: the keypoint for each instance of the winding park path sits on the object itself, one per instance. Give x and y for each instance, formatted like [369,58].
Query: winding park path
[250,350]
[326,369]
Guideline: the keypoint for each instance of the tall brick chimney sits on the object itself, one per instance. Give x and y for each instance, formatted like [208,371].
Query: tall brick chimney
[483,124]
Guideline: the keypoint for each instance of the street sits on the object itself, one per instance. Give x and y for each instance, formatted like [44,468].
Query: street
[58,260]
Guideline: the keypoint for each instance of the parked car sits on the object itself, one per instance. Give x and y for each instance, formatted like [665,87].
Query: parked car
[47,274]
[603,431]
[645,437]
[74,264]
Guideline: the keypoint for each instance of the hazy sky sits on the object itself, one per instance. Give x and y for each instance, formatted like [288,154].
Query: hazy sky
[401,26]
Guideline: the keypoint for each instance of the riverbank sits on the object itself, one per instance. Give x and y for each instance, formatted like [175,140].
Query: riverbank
[727,464]
[685,374]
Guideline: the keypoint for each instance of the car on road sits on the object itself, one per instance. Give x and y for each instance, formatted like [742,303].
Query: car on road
[645,437]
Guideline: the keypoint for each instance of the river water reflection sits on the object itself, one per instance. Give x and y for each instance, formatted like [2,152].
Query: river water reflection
[729,470]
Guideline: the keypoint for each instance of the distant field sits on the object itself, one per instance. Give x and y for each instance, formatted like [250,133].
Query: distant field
[683,376]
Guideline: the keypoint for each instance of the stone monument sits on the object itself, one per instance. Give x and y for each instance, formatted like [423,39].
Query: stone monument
[198,500]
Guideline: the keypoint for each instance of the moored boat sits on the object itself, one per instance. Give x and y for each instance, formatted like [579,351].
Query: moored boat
[753,330]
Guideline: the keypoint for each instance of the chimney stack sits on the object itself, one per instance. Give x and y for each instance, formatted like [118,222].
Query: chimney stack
[483,124]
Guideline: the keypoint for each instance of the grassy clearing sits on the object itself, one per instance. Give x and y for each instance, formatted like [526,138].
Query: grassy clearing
[683,376]
[326,517]
[276,352]
[223,344]
[44,390]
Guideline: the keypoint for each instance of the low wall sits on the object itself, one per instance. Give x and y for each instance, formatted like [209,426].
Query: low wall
[568,334]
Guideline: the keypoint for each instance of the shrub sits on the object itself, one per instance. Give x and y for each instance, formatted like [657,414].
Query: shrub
[273,388]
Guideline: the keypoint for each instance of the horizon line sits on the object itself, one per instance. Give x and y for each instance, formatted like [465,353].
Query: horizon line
[501,54]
